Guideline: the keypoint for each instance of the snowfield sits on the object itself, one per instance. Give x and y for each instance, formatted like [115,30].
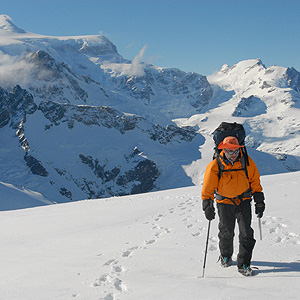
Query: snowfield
[147,246]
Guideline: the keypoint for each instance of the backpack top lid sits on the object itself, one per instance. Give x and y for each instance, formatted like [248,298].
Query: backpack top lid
[229,129]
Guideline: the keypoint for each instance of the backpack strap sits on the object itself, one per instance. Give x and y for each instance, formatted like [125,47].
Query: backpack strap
[244,161]
[221,166]
[245,153]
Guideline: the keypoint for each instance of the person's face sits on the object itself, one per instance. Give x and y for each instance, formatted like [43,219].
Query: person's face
[232,154]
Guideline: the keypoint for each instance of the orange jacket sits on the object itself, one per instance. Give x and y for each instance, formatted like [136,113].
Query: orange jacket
[231,184]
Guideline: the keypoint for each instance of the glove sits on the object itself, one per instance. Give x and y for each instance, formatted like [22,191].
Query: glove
[259,203]
[260,208]
[209,210]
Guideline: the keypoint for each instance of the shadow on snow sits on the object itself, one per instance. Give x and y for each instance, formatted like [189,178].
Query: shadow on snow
[277,267]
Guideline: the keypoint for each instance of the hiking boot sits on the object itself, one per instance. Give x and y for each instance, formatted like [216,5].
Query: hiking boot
[245,270]
[226,261]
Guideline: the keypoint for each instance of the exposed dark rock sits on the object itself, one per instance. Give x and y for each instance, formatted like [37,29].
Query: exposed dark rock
[265,85]
[15,106]
[293,78]
[250,106]
[140,177]
[57,113]
[100,170]
[145,172]
[194,89]
[66,193]
[4,108]
[53,111]
[35,166]
[52,73]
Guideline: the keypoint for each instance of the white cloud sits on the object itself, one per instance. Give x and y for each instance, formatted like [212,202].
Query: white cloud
[14,70]
[135,68]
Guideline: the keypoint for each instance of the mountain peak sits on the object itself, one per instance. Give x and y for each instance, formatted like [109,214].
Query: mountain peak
[7,24]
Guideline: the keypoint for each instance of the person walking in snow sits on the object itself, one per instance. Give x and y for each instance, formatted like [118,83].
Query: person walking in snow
[232,192]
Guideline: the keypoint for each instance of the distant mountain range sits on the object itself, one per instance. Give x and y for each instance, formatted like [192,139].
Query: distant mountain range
[79,121]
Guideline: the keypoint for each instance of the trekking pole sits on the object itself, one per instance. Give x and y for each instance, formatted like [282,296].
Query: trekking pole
[259,226]
[206,248]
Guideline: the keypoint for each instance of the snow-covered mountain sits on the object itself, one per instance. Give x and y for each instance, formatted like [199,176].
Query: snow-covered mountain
[266,101]
[88,70]
[78,121]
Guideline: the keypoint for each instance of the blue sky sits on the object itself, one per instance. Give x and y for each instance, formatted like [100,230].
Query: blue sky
[192,35]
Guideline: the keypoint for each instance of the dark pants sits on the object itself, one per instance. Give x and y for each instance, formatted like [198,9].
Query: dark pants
[228,213]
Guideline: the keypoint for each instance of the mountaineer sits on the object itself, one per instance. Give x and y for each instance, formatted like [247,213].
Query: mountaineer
[232,182]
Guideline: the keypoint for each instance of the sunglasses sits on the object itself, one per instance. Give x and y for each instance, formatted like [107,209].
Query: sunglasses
[231,152]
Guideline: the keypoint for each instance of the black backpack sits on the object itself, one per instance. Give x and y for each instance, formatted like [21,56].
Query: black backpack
[230,129]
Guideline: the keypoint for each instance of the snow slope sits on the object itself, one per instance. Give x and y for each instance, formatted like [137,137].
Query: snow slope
[13,197]
[148,246]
